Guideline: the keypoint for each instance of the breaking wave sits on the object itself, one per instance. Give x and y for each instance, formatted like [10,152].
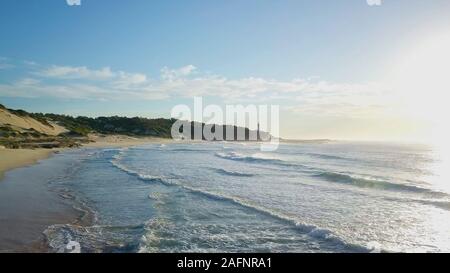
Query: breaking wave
[232,173]
[256,158]
[310,230]
[373,183]
[329,157]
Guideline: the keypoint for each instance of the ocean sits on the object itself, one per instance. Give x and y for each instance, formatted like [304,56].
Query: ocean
[231,197]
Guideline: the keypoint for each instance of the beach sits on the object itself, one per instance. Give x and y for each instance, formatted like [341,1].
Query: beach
[15,158]
[104,141]
[128,195]
[28,206]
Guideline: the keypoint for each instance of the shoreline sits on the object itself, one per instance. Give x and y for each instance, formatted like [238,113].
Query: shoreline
[18,211]
[56,208]
[11,159]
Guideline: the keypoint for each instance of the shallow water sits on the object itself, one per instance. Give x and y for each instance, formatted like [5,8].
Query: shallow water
[231,197]
[27,206]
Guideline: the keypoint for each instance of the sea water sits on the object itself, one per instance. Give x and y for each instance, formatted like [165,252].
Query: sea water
[231,197]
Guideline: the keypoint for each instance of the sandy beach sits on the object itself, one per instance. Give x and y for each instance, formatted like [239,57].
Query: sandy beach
[122,141]
[11,159]
[16,158]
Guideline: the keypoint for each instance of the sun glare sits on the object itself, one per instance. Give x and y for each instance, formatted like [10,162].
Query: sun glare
[421,79]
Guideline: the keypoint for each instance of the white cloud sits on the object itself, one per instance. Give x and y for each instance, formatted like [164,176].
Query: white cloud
[30,63]
[4,64]
[81,72]
[170,74]
[129,81]
[301,95]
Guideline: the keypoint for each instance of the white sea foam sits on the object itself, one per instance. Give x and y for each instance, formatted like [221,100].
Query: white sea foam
[238,197]
[311,230]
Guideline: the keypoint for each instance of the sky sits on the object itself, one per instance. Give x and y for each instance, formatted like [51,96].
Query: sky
[337,69]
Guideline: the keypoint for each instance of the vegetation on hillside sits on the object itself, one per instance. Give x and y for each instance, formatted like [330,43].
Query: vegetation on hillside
[112,125]
[80,127]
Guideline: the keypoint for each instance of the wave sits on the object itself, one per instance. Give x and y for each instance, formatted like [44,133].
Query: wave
[445,205]
[256,159]
[332,157]
[441,204]
[231,173]
[71,238]
[115,162]
[188,150]
[120,153]
[310,230]
[373,183]
[147,240]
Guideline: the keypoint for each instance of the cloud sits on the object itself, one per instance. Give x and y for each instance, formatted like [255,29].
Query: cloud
[130,79]
[301,96]
[81,72]
[4,64]
[170,74]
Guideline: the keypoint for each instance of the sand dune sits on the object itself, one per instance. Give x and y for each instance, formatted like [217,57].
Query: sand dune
[23,122]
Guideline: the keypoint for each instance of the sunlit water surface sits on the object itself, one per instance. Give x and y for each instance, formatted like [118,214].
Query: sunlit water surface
[231,197]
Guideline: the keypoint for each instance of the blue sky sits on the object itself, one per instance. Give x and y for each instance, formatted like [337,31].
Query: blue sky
[142,57]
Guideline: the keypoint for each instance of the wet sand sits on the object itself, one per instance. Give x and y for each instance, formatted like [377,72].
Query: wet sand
[11,159]
[27,208]
[16,158]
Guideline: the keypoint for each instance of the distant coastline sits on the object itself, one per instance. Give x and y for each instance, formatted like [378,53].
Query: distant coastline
[26,138]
